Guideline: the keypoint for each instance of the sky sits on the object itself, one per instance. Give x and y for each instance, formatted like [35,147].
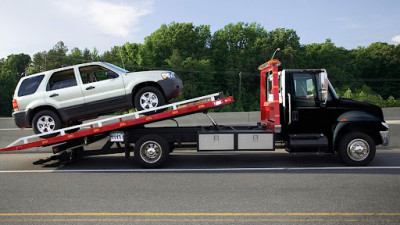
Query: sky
[31,26]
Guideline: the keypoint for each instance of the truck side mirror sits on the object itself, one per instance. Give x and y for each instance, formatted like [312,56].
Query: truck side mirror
[323,87]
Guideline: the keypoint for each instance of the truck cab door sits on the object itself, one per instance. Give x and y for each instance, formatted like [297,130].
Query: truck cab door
[305,110]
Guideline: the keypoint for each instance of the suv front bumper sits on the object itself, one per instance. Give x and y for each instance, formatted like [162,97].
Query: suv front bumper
[172,87]
[385,137]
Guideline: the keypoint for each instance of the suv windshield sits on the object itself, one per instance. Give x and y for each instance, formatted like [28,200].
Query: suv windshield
[115,67]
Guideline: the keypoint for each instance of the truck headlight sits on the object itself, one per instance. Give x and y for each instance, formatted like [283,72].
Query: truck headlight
[385,125]
[168,75]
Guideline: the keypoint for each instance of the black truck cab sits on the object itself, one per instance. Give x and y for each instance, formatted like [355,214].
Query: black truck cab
[313,118]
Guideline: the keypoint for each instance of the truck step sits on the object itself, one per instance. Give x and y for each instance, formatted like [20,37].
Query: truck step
[307,143]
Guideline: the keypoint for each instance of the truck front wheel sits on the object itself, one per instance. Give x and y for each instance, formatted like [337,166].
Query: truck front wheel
[151,151]
[356,149]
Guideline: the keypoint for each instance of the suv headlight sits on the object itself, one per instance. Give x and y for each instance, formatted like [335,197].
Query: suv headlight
[168,75]
[385,125]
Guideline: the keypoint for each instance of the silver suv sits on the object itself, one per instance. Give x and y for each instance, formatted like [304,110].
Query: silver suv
[66,96]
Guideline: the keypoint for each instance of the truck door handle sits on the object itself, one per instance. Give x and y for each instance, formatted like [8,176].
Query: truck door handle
[295,116]
[290,108]
[53,95]
[90,88]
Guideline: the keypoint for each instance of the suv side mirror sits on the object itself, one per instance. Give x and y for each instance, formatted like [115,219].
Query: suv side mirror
[323,87]
[111,74]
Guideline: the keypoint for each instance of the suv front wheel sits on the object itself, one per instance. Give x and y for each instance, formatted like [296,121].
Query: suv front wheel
[148,97]
[46,121]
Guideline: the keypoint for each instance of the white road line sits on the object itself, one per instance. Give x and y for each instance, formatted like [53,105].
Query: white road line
[393,122]
[11,129]
[202,170]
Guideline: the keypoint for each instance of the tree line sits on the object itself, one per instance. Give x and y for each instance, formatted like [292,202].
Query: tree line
[211,62]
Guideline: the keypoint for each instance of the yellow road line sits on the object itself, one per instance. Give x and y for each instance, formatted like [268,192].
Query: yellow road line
[199,214]
[198,220]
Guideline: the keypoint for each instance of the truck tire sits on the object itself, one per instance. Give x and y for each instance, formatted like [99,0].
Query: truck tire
[46,121]
[356,149]
[151,151]
[148,97]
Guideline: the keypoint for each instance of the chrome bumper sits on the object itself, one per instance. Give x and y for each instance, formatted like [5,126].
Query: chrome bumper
[385,137]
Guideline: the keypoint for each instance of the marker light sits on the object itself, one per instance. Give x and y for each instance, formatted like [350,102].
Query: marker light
[272,62]
[15,104]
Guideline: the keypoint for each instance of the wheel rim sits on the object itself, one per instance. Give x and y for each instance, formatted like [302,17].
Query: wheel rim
[150,151]
[46,124]
[358,149]
[148,100]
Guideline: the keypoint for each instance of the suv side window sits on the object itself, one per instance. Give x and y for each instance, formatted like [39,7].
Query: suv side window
[90,74]
[62,79]
[29,85]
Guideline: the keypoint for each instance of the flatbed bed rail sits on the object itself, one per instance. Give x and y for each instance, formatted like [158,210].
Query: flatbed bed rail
[121,121]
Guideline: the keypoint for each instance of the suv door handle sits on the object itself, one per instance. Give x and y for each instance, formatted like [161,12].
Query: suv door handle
[53,95]
[89,88]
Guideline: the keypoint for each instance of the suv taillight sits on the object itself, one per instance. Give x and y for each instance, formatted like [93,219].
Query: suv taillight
[15,104]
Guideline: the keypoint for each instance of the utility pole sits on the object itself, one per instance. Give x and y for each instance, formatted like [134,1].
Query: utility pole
[45,61]
[240,87]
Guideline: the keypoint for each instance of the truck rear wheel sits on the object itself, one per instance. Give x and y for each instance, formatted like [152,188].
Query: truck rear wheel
[151,151]
[356,149]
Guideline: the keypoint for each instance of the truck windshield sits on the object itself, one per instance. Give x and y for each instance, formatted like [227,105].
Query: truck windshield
[119,69]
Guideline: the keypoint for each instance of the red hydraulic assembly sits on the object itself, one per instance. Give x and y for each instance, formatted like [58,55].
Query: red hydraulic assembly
[270,114]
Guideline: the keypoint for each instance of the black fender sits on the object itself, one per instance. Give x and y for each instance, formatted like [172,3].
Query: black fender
[357,121]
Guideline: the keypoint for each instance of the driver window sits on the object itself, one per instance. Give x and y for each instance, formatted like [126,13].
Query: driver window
[95,73]
[304,86]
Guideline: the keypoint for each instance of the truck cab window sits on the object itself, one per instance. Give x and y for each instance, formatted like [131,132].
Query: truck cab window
[304,86]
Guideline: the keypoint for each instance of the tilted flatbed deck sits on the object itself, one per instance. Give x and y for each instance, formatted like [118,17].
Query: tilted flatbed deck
[174,110]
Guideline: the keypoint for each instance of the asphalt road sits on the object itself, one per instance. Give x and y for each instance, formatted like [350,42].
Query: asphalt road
[199,188]
[251,188]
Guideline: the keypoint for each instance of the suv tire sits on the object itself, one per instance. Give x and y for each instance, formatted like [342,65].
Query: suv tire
[148,97]
[46,121]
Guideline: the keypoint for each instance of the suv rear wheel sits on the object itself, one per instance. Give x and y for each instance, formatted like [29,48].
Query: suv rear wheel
[46,121]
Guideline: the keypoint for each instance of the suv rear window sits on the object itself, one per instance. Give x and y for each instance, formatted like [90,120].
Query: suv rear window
[29,85]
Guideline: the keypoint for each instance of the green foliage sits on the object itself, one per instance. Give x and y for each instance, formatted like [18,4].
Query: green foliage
[187,39]
[366,94]
[11,71]
[209,63]
[379,62]
[56,57]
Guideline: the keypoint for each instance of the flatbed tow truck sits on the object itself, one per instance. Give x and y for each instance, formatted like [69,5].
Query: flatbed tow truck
[299,109]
